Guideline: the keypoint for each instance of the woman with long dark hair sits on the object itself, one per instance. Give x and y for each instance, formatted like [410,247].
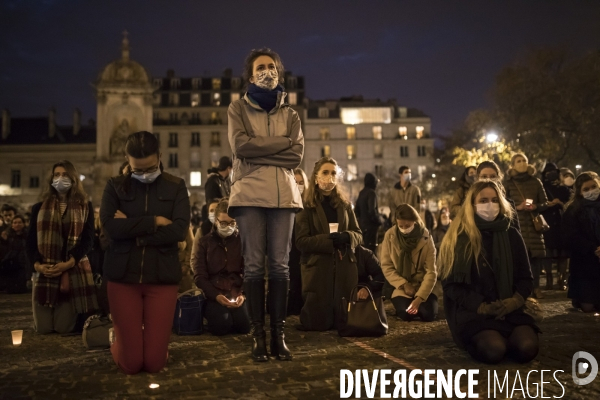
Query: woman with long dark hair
[581,233]
[267,144]
[61,235]
[145,212]
[486,277]
[328,262]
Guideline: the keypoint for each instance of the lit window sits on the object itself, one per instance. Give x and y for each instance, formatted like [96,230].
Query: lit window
[195,178]
[351,151]
[352,172]
[216,99]
[326,151]
[377,135]
[214,158]
[195,99]
[420,131]
[350,133]
[323,112]
[215,139]
[403,151]
[235,96]
[366,115]
[378,151]
[195,82]
[292,98]
[216,83]
[324,133]
[215,118]
[402,131]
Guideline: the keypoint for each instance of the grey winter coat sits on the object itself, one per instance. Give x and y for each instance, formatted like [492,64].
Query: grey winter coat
[530,188]
[266,148]
[325,278]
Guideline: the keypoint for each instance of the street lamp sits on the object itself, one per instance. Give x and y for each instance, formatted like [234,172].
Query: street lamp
[577,168]
[491,137]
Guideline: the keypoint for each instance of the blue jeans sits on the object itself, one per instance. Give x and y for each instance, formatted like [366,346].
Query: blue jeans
[265,232]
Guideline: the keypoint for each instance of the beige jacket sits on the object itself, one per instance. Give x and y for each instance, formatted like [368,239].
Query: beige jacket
[424,272]
[266,148]
[398,195]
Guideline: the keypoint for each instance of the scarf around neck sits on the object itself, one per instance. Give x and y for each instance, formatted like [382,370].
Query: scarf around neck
[266,99]
[407,244]
[501,261]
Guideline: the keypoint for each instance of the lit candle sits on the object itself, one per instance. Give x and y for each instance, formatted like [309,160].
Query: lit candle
[154,385]
[17,337]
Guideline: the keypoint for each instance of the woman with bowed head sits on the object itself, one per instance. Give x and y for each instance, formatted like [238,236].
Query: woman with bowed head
[61,234]
[329,270]
[465,181]
[486,277]
[443,223]
[408,263]
[14,266]
[218,270]
[581,233]
[530,199]
[295,301]
[267,145]
[145,212]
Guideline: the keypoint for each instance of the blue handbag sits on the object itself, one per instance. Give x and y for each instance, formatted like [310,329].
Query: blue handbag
[189,313]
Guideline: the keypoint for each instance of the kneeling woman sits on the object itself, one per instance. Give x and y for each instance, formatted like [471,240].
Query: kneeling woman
[218,270]
[328,263]
[408,262]
[486,277]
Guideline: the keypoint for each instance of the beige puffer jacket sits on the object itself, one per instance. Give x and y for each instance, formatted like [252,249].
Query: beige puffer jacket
[266,148]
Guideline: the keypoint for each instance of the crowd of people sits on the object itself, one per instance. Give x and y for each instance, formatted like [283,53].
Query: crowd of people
[272,239]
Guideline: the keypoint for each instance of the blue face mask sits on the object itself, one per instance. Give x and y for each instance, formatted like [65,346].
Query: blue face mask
[147,177]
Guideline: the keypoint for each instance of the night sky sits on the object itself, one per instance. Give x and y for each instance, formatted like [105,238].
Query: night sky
[438,56]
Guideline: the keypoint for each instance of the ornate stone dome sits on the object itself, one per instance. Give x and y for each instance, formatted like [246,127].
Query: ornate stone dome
[124,72]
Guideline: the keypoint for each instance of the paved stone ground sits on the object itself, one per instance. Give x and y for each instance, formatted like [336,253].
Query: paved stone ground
[209,367]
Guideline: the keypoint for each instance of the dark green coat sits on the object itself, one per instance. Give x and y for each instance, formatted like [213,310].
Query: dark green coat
[325,278]
[140,251]
[531,188]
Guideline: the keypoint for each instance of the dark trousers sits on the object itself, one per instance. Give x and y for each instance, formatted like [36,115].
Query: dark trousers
[222,320]
[427,310]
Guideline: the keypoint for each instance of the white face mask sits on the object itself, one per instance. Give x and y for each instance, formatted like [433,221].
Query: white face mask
[147,177]
[326,183]
[226,232]
[62,184]
[301,188]
[569,181]
[592,195]
[266,79]
[487,211]
[407,230]
[211,217]
[406,177]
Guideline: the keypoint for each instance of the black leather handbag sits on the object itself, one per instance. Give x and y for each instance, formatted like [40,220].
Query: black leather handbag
[358,318]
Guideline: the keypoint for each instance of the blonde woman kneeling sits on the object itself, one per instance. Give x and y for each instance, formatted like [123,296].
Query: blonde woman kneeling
[486,276]
[408,263]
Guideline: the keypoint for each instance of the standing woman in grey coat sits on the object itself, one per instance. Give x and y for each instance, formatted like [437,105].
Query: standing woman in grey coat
[267,144]
[530,199]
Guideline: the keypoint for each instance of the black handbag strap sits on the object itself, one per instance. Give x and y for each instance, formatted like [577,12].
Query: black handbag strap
[353,295]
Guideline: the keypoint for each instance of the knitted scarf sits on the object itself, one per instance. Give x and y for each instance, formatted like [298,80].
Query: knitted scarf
[266,99]
[50,245]
[501,262]
[407,244]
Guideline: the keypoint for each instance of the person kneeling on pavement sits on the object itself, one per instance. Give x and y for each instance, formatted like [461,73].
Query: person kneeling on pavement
[408,262]
[218,270]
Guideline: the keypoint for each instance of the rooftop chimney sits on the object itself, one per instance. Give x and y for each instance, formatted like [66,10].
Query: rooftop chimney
[52,122]
[5,123]
[76,121]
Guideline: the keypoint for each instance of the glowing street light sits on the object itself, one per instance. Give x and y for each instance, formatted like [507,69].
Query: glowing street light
[491,137]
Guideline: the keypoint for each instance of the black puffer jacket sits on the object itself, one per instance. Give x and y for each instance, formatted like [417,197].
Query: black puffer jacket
[141,252]
[366,209]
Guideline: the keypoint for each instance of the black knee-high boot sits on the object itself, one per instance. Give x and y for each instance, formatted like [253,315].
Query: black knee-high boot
[278,289]
[255,296]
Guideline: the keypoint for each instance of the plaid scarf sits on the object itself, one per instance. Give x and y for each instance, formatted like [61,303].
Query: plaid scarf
[50,245]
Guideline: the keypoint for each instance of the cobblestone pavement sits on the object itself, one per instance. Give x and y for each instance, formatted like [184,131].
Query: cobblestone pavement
[209,367]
